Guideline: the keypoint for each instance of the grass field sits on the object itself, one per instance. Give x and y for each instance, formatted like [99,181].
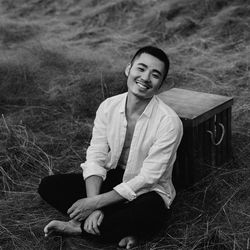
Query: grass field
[60,59]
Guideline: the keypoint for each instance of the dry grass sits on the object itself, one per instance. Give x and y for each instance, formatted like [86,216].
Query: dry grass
[60,59]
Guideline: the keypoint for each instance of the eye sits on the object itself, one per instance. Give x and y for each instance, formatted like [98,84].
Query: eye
[156,76]
[140,69]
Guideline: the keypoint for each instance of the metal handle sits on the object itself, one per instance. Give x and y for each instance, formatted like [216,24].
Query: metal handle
[213,135]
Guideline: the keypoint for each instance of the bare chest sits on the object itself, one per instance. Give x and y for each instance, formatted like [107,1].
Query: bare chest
[127,143]
[129,132]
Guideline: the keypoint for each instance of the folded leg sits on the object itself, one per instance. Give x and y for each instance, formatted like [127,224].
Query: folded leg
[62,190]
[141,217]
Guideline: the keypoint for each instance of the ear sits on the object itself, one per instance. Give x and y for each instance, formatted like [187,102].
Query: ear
[127,69]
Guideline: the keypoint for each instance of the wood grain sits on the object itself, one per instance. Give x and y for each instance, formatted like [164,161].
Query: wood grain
[195,107]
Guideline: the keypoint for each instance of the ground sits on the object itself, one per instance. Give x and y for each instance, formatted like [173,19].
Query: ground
[60,59]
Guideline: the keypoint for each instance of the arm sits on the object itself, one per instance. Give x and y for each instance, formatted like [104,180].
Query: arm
[108,198]
[84,207]
[93,185]
[94,220]
[97,152]
[94,171]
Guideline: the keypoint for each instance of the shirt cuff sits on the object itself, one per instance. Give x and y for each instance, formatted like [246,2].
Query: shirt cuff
[93,169]
[125,191]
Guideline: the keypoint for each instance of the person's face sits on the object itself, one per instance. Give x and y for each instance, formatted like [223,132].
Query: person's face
[145,76]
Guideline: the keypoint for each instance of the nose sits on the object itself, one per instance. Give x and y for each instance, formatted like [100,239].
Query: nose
[146,76]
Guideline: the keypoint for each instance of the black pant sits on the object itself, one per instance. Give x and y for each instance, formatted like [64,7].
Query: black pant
[141,217]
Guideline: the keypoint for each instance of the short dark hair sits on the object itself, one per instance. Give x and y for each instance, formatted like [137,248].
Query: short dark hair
[156,52]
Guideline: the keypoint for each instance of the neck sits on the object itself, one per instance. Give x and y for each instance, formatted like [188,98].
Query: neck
[135,106]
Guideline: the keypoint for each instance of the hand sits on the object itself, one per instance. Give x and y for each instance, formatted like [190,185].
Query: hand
[82,208]
[92,223]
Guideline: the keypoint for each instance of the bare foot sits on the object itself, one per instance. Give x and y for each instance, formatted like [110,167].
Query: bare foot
[128,242]
[56,227]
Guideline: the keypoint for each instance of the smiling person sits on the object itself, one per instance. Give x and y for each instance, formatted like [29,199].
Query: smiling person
[126,189]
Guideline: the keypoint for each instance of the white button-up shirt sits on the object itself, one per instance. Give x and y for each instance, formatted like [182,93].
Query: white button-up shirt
[157,134]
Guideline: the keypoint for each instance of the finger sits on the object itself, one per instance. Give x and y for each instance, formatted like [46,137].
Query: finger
[100,219]
[71,209]
[74,214]
[46,230]
[90,227]
[79,217]
[96,229]
[86,223]
[87,226]
[91,231]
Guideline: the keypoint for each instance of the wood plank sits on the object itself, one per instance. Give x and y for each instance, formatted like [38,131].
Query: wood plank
[206,143]
[229,135]
[227,132]
[219,148]
[209,146]
[190,149]
[194,107]
[200,143]
[180,170]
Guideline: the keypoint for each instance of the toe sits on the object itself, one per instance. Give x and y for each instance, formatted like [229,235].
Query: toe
[46,229]
[127,242]
[130,244]
[122,242]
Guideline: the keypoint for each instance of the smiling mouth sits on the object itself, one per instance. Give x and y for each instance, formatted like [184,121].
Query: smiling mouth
[142,85]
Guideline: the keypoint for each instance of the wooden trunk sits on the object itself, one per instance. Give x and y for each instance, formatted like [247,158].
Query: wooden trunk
[206,141]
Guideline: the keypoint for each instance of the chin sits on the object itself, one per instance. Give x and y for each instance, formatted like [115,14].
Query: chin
[143,96]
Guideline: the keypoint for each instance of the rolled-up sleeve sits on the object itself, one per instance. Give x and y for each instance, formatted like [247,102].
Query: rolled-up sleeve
[125,191]
[97,152]
[159,161]
[93,169]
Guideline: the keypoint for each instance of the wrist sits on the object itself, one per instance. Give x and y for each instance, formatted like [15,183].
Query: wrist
[98,201]
[108,198]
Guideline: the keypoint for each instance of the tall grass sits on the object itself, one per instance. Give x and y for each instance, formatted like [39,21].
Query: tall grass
[60,59]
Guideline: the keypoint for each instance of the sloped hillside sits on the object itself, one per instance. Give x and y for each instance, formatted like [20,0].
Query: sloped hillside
[208,42]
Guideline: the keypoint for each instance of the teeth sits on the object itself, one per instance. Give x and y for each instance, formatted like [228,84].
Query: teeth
[141,85]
